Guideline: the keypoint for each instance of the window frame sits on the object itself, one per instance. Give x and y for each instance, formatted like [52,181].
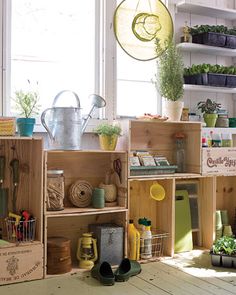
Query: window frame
[104,68]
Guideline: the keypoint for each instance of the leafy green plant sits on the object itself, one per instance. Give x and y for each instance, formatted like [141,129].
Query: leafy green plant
[26,102]
[170,69]
[108,129]
[209,106]
[208,68]
[207,29]
[225,245]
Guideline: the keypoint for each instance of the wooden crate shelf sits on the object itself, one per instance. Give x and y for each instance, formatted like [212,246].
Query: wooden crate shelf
[27,256]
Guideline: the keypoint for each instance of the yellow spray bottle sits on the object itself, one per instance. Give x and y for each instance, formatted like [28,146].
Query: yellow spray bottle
[134,241]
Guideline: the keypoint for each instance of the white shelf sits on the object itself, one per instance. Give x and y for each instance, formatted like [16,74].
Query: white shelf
[190,87]
[200,48]
[218,12]
[231,130]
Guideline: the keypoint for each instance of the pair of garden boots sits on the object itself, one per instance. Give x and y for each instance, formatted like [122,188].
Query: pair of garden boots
[103,271]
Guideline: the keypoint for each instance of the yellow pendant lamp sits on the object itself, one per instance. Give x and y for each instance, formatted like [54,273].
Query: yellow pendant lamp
[143,26]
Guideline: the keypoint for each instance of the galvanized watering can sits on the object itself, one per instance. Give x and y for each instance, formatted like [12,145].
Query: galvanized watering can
[65,125]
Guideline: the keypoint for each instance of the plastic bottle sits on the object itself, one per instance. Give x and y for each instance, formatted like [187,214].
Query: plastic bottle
[134,241]
[146,239]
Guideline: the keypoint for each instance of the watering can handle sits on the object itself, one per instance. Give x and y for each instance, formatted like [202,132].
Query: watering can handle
[44,123]
[63,91]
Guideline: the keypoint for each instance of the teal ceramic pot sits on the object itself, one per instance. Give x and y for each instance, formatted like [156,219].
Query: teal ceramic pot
[25,126]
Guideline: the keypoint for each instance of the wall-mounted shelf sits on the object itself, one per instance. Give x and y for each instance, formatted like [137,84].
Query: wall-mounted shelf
[205,49]
[218,12]
[190,87]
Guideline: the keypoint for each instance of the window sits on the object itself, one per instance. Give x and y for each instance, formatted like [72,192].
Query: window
[70,44]
[53,46]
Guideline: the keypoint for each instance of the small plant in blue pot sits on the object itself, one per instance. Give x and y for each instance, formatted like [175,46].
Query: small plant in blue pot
[26,103]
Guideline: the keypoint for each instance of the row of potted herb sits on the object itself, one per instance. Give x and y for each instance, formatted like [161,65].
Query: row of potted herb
[211,75]
[223,252]
[220,36]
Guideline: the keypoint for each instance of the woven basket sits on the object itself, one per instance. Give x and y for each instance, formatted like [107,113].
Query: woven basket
[7,126]
[110,192]
[80,193]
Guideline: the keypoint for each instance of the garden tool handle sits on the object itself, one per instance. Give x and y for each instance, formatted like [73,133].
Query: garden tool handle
[2,169]
[15,171]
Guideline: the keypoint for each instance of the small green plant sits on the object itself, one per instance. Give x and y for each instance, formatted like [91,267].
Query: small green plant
[26,102]
[108,129]
[213,29]
[225,245]
[207,68]
[209,106]
[169,78]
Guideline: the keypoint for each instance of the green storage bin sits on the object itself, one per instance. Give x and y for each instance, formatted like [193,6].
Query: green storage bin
[183,229]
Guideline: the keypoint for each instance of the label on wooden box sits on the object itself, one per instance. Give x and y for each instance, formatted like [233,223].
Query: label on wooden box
[21,263]
[219,161]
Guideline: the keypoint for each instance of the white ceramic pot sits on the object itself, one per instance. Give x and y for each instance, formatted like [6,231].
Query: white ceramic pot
[172,109]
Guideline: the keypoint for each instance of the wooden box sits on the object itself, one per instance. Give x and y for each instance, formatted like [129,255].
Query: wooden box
[21,263]
[219,161]
[158,137]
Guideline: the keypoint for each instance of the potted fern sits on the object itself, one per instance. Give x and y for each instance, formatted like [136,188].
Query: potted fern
[26,103]
[108,135]
[169,81]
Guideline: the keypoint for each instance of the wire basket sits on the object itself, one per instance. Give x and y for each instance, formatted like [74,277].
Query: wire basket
[22,231]
[152,249]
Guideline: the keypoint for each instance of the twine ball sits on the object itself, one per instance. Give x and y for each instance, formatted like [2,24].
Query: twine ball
[80,193]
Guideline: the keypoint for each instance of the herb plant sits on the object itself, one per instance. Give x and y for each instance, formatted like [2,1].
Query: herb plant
[169,78]
[26,102]
[108,129]
[209,106]
[213,29]
[225,245]
[207,68]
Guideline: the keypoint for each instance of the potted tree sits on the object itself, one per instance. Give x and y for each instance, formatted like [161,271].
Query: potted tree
[26,103]
[209,109]
[108,135]
[169,81]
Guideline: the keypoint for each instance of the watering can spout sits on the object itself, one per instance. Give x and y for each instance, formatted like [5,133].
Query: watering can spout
[97,103]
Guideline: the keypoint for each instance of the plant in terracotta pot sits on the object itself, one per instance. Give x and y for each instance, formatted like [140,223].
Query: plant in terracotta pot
[209,109]
[108,135]
[26,103]
[169,81]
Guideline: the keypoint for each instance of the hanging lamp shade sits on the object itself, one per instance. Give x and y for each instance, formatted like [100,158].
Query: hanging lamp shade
[143,28]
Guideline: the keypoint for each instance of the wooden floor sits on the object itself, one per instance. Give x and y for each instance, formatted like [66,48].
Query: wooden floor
[186,274]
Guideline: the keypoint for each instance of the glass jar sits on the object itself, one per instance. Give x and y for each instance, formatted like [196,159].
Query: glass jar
[227,140]
[55,190]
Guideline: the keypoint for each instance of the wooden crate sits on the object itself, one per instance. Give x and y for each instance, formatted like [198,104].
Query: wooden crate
[73,226]
[91,166]
[219,161]
[29,151]
[159,137]
[21,263]
[161,213]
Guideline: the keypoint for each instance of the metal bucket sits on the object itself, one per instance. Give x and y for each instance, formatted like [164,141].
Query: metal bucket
[64,125]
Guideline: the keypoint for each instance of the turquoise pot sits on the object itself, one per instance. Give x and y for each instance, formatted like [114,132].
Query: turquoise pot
[25,126]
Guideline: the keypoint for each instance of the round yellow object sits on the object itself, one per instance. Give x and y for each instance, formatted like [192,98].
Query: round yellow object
[157,192]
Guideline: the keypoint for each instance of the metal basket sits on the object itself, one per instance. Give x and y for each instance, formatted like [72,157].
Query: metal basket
[20,232]
[155,245]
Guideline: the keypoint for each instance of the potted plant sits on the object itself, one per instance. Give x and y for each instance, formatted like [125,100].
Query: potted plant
[26,103]
[169,81]
[209,109]
[108,135]
[223,252]
[219,35]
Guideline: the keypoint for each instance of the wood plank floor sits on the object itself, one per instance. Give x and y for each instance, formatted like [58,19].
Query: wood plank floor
[185,274]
